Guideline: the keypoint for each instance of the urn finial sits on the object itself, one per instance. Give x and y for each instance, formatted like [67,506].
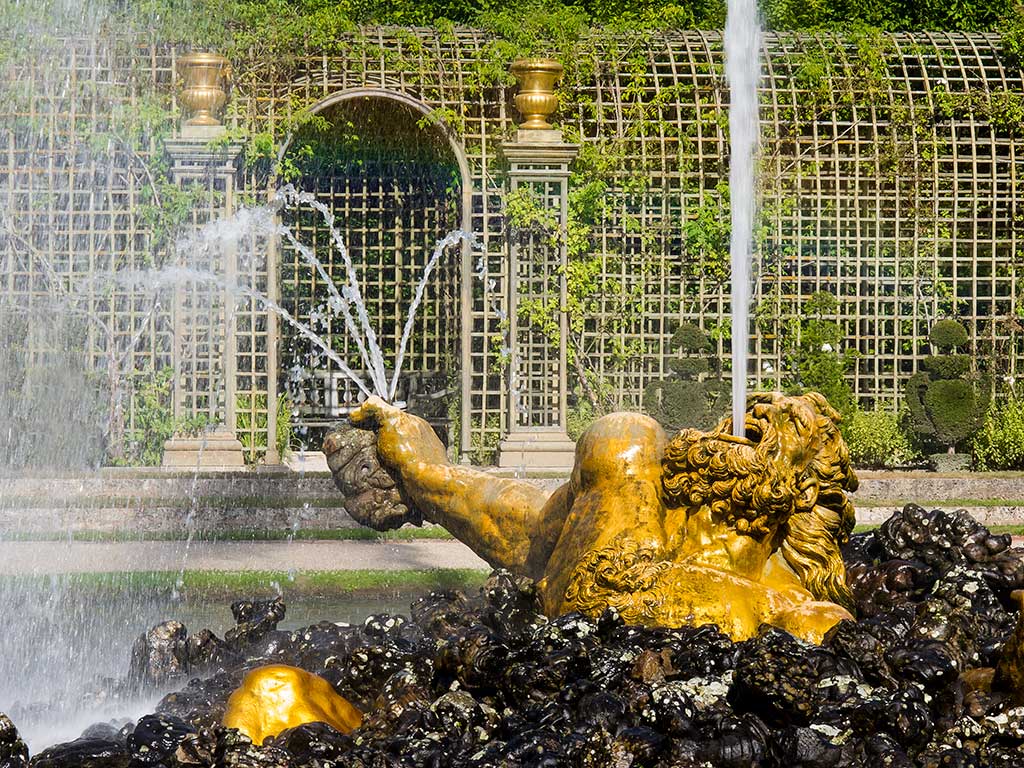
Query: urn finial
[536,99]
[204,80]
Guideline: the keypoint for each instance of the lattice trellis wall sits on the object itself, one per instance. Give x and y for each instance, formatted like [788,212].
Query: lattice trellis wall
[893,186]
[72,193]
[394,189]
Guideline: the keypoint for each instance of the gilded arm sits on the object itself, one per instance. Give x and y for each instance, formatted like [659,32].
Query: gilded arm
[501,519]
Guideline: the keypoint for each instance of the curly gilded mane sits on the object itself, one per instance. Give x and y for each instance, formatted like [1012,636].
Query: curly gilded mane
[760,490]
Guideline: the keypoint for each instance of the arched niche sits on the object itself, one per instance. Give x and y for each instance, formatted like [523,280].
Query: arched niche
[396,181]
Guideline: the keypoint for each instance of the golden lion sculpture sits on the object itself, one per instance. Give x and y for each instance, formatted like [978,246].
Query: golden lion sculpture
[705,528]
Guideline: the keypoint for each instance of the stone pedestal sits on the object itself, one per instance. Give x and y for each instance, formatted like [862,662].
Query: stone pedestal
[538,372]
[537,451]
[218,449]
[196,159]
[306,461]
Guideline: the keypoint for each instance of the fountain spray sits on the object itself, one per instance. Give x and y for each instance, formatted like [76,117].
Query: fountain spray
[743,71]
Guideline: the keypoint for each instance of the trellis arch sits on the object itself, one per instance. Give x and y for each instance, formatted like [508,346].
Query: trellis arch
[457,151]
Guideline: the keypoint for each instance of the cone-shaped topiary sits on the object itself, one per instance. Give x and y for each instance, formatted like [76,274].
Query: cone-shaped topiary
[946,400]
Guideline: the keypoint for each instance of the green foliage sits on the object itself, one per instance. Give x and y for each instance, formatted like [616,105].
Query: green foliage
[153,421]
[689,398]
[1011,33]
[897,16]
[707,232]
[947,366]
[484,443]
[251,426]
[679,403]
[812,357]
[947,335]
[530,28]
[690,338]
[523,211]
[914,392]
[1001,108]
[689,368]
[876,440]
[579,418]
[999,444]
[279,27]
[951,405]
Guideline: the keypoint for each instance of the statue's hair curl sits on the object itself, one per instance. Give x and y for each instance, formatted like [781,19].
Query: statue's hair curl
[814,536]
[740,483]
[624,577]
[752,488]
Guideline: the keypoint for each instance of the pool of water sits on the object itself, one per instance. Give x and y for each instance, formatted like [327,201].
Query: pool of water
[61,638]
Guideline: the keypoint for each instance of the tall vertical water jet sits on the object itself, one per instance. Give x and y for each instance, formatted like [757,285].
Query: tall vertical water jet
[742,71]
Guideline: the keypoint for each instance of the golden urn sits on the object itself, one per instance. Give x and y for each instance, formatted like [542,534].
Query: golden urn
[204,78]
[536,99]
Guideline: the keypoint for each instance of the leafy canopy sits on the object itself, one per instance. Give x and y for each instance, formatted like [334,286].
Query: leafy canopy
[247,24]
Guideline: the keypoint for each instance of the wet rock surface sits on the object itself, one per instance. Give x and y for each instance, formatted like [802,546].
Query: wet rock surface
[13,752]
[489,681]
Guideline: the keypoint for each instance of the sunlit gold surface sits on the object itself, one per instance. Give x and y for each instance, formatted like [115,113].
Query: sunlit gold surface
[704,528]
[536,99]
[273,698]
[204,80]
[1010,669]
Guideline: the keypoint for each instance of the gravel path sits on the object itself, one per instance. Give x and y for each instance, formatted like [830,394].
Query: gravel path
[46,557]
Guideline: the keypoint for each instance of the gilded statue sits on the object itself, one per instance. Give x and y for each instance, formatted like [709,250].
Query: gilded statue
[702,528]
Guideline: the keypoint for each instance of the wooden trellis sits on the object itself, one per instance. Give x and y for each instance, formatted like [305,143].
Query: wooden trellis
[894,188]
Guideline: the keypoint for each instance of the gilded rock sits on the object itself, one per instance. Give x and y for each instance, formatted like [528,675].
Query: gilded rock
[276,697]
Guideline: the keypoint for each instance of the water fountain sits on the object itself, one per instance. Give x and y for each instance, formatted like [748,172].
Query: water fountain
[743,71]
[682,602]
[56,694]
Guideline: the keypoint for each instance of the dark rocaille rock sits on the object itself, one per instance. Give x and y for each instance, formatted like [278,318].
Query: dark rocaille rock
[110,731]
[313,742]
[156,738]
[945,539]
[253,620]
[234,750]
[372,494]
[160,655]
[202,702]
[778,677]
[490,681]
[13,752]
[84,753]
[440,614]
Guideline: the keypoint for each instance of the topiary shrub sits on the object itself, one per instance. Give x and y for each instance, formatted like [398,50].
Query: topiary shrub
[694,395]
[947,335]
[947,400]
[952,407]
[948,366]
[876,440]
[812,355]
[999,443]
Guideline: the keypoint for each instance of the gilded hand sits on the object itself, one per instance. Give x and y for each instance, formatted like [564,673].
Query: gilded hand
[402,439]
